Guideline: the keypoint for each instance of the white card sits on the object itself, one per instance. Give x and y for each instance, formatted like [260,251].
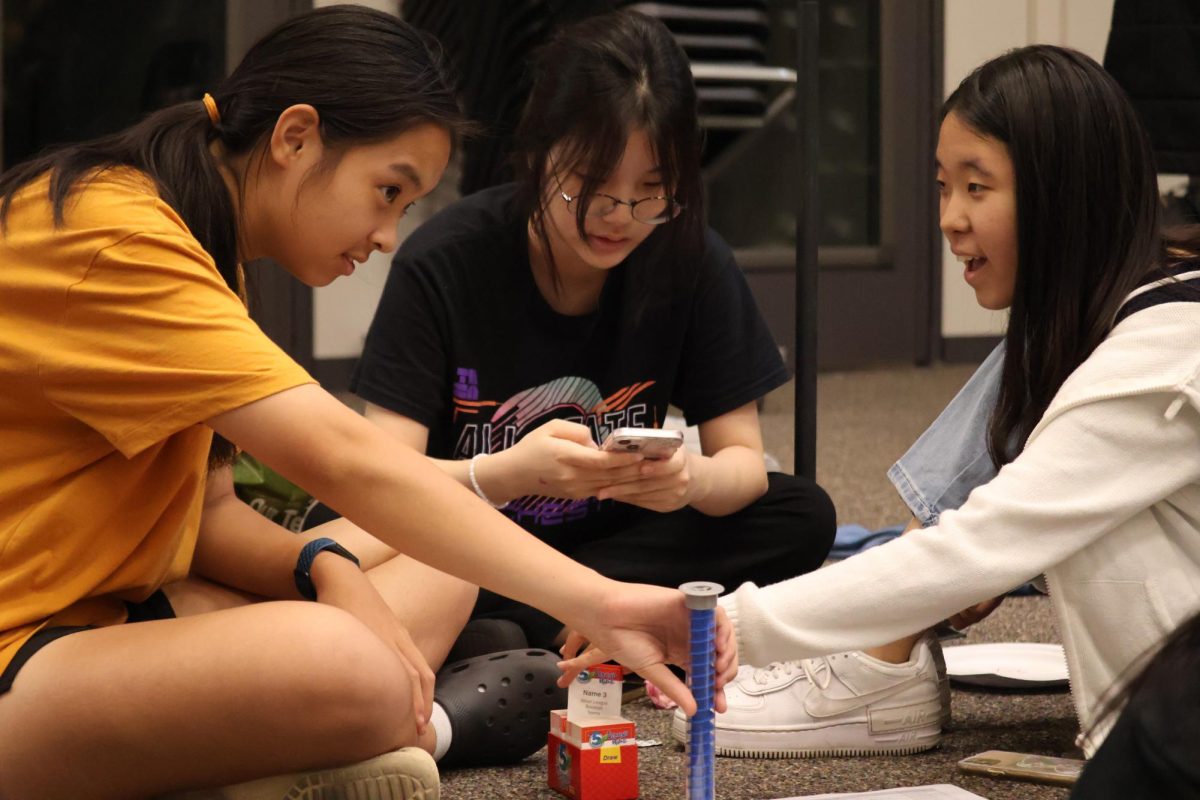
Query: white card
[595,693]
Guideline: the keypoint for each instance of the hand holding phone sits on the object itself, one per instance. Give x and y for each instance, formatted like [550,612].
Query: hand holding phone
[558,459]
[664,481]
[653,443]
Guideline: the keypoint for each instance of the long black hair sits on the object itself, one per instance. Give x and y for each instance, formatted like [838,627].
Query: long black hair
[1087,217]
[369,75]
[593,84]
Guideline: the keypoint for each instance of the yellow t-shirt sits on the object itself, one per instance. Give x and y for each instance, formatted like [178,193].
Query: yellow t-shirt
[118,339]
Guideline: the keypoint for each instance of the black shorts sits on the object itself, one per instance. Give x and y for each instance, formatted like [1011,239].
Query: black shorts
[156,606]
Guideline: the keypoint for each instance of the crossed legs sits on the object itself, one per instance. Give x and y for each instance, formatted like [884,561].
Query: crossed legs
[230,690]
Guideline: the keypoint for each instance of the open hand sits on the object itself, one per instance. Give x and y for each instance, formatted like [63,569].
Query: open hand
[645,628]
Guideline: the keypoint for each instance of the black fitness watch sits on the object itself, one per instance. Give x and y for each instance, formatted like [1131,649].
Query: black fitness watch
[303,571]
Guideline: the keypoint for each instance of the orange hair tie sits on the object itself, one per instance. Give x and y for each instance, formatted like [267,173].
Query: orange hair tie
[210,105]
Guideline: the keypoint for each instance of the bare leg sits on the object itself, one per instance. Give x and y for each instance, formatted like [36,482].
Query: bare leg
[432,605]
[898,652]
[136,710]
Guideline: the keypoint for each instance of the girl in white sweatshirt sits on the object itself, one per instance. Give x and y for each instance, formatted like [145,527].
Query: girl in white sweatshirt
[1048,196]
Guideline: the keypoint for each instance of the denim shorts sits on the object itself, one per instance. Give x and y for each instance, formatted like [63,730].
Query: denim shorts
[951,458]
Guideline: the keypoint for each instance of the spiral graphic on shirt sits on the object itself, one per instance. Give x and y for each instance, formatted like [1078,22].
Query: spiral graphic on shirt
[572,398]
[526,410]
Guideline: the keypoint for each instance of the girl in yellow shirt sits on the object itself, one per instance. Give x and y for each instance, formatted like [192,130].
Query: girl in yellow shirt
[124,346]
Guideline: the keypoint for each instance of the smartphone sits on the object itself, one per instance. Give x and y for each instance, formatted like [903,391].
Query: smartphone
[1024,766]
[650,442]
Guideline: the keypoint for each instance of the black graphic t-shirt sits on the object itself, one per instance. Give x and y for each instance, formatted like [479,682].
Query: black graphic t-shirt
[464,343]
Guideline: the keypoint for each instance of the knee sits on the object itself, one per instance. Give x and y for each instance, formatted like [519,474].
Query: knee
[824,517]
[462,604]
[353,685]
[805,501]
[810,513]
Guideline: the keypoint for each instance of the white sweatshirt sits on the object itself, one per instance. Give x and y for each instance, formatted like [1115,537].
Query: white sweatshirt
[1104,499]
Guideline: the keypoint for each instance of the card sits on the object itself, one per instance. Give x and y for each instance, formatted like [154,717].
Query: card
[595,694]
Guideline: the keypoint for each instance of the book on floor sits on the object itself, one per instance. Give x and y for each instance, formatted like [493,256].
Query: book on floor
[939,791]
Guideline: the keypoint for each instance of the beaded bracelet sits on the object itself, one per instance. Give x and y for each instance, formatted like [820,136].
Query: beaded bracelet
[475,483]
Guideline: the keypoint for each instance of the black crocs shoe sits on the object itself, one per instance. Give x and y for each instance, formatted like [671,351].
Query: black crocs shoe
[484,636]
[499,706]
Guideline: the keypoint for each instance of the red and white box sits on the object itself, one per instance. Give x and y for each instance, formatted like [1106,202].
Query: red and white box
[591,750]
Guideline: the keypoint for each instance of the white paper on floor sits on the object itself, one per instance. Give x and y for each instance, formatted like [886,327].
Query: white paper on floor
[939,791]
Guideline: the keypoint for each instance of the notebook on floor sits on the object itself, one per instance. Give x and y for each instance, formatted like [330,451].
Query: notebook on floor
[939,791]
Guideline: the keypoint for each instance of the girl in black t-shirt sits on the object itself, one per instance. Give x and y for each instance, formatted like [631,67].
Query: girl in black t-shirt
[523,324]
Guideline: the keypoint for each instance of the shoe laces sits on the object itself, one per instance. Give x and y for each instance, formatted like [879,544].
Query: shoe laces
[819,671]
[815,670]
[776,671]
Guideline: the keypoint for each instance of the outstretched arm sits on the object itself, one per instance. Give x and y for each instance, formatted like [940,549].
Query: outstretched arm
[1068,488]
[392,491]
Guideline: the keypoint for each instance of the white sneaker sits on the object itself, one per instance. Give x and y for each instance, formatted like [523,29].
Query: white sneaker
[939,662]
[847,704]
[405,774]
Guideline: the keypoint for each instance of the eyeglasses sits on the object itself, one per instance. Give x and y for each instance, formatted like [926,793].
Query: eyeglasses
[647,210]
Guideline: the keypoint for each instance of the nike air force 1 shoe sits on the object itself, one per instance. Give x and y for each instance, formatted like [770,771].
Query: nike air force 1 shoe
[847,704]
[939,663]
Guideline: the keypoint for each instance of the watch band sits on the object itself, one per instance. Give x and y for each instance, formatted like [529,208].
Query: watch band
[303,571]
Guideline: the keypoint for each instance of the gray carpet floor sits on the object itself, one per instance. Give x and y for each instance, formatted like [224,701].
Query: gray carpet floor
[865,421]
